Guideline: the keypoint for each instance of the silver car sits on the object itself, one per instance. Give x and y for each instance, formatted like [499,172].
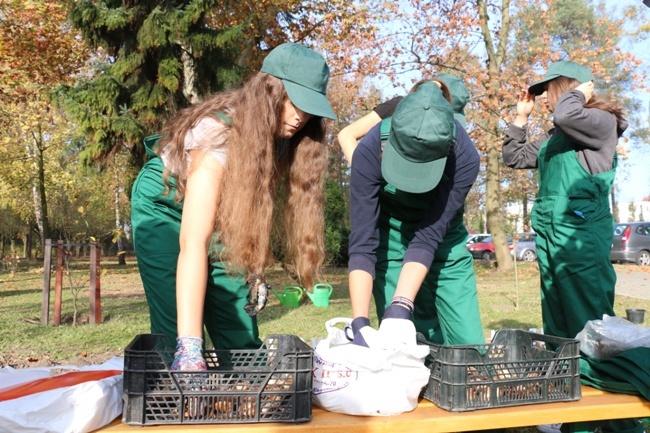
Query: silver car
[524,248]
[631,243]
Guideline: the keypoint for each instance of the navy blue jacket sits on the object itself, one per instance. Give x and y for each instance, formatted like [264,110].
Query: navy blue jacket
[461,171]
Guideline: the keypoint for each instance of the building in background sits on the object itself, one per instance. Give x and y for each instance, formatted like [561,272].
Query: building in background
[635,211]
[627,212]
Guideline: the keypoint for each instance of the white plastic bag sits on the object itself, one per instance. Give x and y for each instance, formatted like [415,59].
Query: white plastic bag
[74,409]
[610,336]
[383,379]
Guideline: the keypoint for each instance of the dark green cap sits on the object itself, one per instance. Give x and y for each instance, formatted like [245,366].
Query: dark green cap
[304,73]
[564,68]
[459,95]
[421,135]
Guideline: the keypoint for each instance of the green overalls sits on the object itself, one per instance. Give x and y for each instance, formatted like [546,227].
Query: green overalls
[156,221]
[574,229]
[446,306]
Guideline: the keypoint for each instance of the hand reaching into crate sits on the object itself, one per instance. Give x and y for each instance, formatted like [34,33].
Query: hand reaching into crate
[189,354]
[400,308]
[189,357]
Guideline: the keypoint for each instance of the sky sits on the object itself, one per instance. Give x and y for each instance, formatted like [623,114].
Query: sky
[633,175]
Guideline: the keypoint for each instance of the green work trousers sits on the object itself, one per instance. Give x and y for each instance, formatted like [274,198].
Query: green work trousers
[446,306]
[574,234]
[156,221]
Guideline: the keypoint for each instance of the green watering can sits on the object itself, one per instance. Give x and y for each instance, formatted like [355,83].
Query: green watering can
[290,296]
[320,296]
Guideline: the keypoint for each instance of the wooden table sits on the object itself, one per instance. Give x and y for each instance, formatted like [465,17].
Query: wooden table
[595,405]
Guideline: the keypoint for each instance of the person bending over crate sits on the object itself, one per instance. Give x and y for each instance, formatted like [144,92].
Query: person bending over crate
[203,205]
[409,179]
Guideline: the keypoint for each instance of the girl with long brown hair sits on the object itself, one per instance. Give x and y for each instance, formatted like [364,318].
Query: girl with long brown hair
[203,205]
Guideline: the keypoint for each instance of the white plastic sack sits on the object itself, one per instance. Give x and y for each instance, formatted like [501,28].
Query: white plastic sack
[610,336]
[75,409]
[383,379]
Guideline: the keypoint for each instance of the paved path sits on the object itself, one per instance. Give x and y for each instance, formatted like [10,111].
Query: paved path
[633,283]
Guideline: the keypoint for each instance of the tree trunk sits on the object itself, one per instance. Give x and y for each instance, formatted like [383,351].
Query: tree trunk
[614,205]
[494,209]
[496,54]
[189,74]
[121,259]
[28,241]
[38,189]
[524,219]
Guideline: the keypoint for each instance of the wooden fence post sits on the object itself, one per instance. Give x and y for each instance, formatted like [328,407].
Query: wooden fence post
[95,307]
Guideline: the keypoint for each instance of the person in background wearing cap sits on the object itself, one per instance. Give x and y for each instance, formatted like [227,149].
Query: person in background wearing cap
[203,205]
[452,87]
[576,164]
[409,179]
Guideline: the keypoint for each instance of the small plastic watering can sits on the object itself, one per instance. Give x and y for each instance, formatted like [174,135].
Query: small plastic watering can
[290,296]
[320,296]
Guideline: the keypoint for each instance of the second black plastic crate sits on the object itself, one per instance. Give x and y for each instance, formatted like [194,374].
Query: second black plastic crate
[269,384]
[516,368]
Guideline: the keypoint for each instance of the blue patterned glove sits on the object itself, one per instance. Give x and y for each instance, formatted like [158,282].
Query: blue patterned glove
[189,354]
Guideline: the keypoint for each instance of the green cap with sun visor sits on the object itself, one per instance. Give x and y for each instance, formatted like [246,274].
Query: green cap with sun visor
[564,68]
[421,135]
[304,73]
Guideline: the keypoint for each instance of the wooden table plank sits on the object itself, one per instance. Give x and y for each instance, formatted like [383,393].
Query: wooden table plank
[427,418]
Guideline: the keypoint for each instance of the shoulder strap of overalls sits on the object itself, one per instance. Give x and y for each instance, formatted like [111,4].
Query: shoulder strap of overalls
[384,132]
[224,117]
[151,142]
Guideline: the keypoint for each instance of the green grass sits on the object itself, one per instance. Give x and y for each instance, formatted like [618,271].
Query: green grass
[505,302]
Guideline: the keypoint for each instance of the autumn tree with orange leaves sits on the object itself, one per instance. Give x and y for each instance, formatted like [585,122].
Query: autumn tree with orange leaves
[150,59]
[38,51]
[499,47]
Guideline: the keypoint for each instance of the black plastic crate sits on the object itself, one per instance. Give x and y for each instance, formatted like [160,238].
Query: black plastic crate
[269,384]
[516,368]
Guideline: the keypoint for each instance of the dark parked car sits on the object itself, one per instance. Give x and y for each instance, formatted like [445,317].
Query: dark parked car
[485,249]
[525,249]
[631,243]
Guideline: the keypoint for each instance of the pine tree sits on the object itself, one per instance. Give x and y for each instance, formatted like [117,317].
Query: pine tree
[154,57]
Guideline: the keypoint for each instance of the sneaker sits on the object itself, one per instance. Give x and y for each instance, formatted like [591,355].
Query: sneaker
[549,428]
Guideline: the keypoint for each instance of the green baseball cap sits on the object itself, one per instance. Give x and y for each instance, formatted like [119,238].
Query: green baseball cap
[421,135]
[564,68]
[304,73]
[459,95]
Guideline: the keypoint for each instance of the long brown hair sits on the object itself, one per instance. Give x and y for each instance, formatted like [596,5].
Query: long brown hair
[560,85]
[257,162]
